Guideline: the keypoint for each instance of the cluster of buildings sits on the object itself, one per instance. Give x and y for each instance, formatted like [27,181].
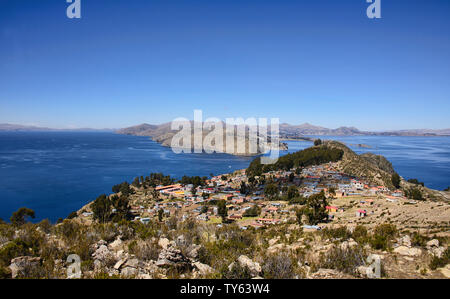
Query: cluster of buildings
[201,202]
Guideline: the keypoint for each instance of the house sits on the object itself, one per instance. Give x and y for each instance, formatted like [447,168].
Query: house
[203,217]
[267,221]
[357,185]
[361,213]
[257,225]
[235,217]
[331,209]
[145,220]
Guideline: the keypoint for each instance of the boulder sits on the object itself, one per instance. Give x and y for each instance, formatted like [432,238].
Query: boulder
[129,272]
[164,243]
[406,241]
[134,263]
[254,267]
[120,263]
[116,244]
[348,244]
[102,253]
[433,243]
[445,271]
[23,264]
[274,241]
[203,268]
[172,257]
[275,248]
[437,251]
[403,250]
[193,250]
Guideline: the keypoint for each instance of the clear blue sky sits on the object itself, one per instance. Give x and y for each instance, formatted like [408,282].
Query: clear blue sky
[323,61]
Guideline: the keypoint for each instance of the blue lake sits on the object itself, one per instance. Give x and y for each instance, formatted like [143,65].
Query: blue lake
[55,173]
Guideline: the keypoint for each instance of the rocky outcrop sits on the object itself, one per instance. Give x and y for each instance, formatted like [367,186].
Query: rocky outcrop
[24,266]
[172,257]
[375,168]
[245,262]
[403,250]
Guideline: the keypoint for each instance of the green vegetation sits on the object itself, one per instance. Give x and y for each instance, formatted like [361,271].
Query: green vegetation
[278,266]
[222,209]
[315,209]
[341,233]
[271,191]
[382,236]
[437,262]
[304,158]
[194,180]
[414,193]
[416,182]
[124,188]
[317,142]
[18,218]
[252,212]
[395,179]
[160,215]
[72,215]
[113,208]
[292,192]
[345,260]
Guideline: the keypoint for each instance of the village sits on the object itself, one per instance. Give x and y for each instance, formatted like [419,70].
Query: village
[350,198]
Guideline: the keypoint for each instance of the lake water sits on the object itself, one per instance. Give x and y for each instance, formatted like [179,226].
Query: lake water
[55,173]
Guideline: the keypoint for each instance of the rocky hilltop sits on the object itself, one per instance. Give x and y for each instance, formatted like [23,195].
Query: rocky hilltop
[378,170]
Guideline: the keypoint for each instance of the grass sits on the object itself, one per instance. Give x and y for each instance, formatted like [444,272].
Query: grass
[214,220]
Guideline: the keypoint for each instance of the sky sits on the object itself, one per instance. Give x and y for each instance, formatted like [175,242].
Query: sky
[129,62]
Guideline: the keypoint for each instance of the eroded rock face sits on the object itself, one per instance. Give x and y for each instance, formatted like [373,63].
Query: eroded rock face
[22,265]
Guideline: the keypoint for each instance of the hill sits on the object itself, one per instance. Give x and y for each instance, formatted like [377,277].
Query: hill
[163,134]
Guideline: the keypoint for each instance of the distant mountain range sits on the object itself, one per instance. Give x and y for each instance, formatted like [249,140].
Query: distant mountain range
[295,131]
[21,128]
[287,131]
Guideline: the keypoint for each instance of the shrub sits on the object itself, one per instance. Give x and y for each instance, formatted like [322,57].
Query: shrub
[382,236]
[278,267]
[72,215]
[18,218]
[315,210]
[343,259]
[419,240]
[437,262]
[146,251]
[395,179]
[360,234]
[236,272]
[337,233]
